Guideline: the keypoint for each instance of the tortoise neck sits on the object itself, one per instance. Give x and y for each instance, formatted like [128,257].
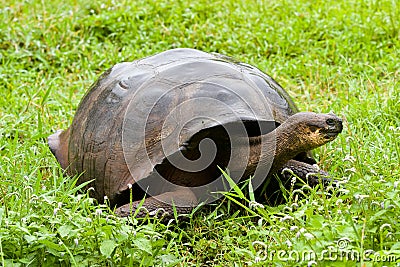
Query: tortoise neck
[273,149]
[286,146]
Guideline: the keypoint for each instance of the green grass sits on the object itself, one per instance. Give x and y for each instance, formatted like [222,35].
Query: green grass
[340,56]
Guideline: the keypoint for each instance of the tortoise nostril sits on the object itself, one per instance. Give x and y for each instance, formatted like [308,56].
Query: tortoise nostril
[331,122]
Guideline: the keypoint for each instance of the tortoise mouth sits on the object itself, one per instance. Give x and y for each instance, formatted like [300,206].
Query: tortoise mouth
[333,130]
[332,134]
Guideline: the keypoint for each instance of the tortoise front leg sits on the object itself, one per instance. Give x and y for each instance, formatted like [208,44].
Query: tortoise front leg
[307,172]
[183,200]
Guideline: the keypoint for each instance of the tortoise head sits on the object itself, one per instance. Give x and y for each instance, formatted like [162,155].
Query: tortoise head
[314,130]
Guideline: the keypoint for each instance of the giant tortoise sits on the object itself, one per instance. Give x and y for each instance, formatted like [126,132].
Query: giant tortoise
[156,132]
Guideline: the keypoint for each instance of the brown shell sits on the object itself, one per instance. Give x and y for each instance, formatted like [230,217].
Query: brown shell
[138,113]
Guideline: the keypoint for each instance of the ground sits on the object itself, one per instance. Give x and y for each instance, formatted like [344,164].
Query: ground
[340,56]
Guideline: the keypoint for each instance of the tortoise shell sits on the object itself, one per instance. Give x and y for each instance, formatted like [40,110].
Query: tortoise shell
[139,114]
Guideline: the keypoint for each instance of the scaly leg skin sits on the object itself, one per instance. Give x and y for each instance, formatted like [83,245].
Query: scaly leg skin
[183,200]
[308,173]
[311,174]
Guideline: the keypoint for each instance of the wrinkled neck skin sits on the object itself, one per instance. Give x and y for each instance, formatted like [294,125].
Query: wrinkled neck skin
[283,142]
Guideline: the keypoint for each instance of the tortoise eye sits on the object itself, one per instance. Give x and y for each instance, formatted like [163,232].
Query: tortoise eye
[330,122]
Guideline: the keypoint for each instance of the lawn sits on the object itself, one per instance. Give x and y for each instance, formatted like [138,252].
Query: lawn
[341,56]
